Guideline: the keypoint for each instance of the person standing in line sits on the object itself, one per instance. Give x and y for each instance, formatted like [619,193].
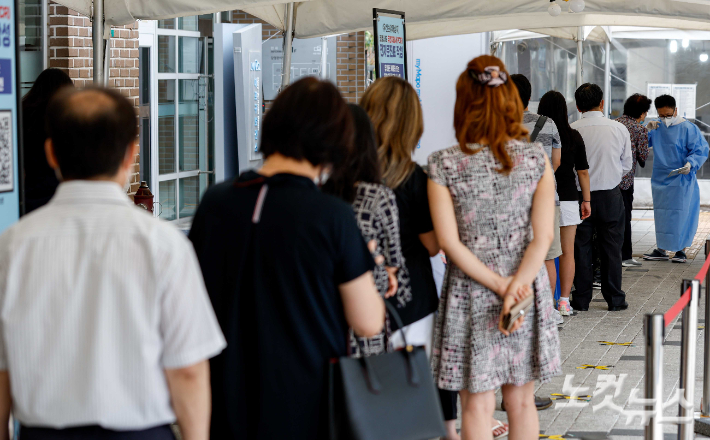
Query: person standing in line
[542,129]
[495,253]
[40,180]
[608,145]
[573,167]
[288,272]
[679,145]
[357,180]
[106,325]
[635,111]
[395,112]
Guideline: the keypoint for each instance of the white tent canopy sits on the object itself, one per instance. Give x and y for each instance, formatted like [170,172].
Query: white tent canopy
[602,33]
[594,33]
[120,12]
[425,18]
[433,18]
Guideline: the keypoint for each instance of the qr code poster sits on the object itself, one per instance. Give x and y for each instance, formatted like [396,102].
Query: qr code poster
[6,152]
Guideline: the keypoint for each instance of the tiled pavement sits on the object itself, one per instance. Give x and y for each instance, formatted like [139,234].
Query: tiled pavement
[613,342]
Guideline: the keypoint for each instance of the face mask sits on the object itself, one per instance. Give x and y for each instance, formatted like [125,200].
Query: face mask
[322,178]
[670,121]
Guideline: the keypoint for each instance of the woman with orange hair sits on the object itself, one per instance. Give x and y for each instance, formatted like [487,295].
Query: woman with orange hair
[492,204]
[395,112]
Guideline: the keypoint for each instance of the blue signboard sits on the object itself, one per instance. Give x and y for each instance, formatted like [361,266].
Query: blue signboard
[390,43]
[9,157]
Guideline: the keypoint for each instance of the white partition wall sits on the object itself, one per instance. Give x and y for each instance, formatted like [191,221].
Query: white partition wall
[248,88]
[434,67]
[226,161]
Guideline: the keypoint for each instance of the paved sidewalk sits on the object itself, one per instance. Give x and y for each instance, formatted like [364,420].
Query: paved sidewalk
[598,347]
[644,233]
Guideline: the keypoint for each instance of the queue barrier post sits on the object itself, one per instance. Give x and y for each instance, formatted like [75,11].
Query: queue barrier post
[655,332]
[686,410]
[705,402]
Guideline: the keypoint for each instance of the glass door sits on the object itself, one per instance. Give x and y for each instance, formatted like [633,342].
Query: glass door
[33,41]
[183,166]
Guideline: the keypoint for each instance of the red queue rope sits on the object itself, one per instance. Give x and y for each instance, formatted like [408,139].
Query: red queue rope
[678,307]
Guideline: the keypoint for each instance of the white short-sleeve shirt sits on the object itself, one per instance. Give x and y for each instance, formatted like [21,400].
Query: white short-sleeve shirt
[97,299]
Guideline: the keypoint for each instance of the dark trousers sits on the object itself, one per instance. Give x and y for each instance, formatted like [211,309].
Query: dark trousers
[607,220]
[627,249]
[449,400]
[95,432]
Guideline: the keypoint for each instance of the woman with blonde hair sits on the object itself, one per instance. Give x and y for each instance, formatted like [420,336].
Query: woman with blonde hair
[492,202]
[395,112]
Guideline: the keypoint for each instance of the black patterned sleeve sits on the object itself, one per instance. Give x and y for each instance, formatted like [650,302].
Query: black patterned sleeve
[389,213]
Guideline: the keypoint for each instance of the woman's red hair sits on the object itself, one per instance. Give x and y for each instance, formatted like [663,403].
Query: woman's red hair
[490,115]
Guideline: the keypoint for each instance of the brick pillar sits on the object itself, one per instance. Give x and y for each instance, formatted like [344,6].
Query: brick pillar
[71,50]
[351,66]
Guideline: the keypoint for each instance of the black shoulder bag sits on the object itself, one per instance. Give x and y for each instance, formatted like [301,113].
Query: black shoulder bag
[538,128]
[390,396]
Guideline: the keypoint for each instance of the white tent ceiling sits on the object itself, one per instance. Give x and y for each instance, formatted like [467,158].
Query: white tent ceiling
[120,12]
[433,18]
[601,33]
[427,18]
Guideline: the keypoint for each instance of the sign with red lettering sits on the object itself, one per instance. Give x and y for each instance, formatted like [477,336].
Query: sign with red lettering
[390,40]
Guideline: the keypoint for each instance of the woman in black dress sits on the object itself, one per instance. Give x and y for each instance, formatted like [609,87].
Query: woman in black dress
[288,273]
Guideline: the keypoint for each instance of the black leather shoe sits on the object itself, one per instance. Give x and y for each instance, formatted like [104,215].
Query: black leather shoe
[577,308]
[540,403]
[624,306]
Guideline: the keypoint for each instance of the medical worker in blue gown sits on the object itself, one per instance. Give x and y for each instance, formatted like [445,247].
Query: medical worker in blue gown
[677,145]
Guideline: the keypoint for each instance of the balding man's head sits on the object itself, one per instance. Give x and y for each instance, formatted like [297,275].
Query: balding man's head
[91,131]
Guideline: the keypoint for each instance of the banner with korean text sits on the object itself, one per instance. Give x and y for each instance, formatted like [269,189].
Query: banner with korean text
[390,43]
[9,127]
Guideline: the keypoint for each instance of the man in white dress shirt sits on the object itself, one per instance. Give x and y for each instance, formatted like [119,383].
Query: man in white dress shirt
[105,325]
[608,145]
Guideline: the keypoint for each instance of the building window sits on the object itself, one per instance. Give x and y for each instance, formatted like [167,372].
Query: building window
[33,41]
[181,156]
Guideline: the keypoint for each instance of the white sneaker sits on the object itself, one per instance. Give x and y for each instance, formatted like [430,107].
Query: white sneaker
[564,308]
[630,263]
[557,317]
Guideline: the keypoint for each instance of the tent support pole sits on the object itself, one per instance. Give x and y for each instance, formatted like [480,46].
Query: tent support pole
[107,61]
[45,32]
[288,45]
[580,56]
[98,42]
[607,78]
[324,58]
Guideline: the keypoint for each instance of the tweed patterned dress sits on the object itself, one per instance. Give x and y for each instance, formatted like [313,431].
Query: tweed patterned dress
[493,217]
[377,216]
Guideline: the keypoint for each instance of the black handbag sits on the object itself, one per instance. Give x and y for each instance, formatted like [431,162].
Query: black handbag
[390,396]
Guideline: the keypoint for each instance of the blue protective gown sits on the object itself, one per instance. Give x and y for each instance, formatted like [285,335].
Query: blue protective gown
[676,199]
